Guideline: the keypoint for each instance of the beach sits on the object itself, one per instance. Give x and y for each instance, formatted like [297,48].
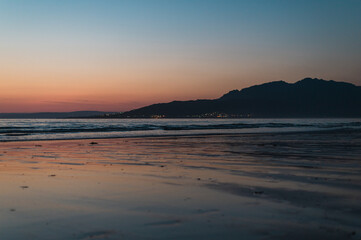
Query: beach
[300,185]
[180,120]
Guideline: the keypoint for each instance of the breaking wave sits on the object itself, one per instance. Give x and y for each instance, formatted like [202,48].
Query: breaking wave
[12,130]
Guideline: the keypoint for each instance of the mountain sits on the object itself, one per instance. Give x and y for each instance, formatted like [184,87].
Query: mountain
[310,97]
[48,115]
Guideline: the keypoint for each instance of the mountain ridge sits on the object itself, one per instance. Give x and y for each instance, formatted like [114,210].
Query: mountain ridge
[309,97]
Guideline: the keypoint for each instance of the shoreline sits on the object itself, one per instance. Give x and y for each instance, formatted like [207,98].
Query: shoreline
[310,131]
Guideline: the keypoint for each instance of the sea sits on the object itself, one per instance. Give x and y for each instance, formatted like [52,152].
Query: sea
[65,129]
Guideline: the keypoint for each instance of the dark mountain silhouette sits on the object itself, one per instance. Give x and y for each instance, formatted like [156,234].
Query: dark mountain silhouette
[49,115]
[310,97]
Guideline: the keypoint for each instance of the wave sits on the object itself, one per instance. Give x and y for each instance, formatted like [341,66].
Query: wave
[88,128]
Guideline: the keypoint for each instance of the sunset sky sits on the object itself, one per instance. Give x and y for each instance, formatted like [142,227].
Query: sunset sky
[118,55]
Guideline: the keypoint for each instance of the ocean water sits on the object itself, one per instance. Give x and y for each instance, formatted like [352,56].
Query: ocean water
[51,129]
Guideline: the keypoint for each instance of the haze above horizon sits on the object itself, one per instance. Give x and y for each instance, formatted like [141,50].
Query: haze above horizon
[67,55]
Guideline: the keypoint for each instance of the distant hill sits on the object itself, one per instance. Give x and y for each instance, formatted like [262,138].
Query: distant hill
[310,97]
[50,115]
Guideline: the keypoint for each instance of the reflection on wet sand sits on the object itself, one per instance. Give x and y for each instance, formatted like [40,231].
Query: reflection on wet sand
[255,186]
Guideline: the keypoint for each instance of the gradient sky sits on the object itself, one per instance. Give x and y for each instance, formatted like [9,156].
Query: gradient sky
[117,55]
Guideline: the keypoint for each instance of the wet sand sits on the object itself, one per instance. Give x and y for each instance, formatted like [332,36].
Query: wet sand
[249,186]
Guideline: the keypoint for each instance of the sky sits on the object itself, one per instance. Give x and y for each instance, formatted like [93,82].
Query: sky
[119,55]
